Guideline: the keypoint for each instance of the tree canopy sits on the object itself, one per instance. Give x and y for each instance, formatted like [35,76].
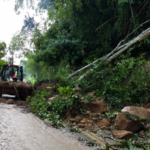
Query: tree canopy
[79,31]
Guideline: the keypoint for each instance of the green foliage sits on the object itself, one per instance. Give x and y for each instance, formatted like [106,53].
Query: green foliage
[132,116]
[52,111]
[2,54]
[19,42]
[89,98]
[81,31]
[66,91]
[39,105]
[135,143]
[31,80]
[110,115]
[67,101]
[123,82]
[84,30]
[60,105]
[39,70]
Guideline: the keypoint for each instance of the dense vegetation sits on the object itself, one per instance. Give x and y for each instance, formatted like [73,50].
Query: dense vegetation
[81,31]
[76,33]
[2,54]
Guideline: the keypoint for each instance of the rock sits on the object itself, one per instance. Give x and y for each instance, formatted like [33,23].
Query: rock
[95,130]
[72,119]
[89,125]
[81,125]
[140,112]
[124,123]
[84,121]
[79,118]
[97,106]
[10,101]
[147,106]
[104,122]
[147,126]
[93,115]
[91,94]
[52,98]
[142,133]
[68,115]
[20,103]
[94,119]
[122,134]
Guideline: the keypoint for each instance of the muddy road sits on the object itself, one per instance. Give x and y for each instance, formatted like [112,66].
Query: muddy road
[21,130]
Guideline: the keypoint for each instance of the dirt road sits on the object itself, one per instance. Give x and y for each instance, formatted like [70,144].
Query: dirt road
[21,130]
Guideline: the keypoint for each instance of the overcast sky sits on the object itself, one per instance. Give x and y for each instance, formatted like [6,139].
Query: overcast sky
[10,22]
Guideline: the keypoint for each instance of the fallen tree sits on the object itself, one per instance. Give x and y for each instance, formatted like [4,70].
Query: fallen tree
[120,48]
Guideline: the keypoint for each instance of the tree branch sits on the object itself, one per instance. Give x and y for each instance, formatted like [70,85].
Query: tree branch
[117,51]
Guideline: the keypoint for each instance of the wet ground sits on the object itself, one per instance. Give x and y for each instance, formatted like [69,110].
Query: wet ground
[22,130]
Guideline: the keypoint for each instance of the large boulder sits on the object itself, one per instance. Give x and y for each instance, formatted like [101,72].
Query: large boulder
[122,134]
[140,112]
[125,123]
[104,122]
[97,105]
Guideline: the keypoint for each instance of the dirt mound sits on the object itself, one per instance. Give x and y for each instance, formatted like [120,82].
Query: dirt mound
[51,86]
[16,88]
[40,86]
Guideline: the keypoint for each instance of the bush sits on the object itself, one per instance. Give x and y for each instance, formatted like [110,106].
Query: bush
[123,82]
[39,105]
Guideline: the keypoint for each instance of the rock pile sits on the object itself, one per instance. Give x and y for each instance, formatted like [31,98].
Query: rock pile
[131,119]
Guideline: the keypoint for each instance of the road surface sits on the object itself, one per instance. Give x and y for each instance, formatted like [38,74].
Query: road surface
[22,130]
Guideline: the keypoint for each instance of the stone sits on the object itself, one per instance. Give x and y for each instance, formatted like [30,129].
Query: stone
[94,119]
[72,119]
[68,115]
[93,115]
[52,98]
[91,94]
[140,112]
[122,134]
[89,125]
[142,133]
[78,118]
[104,122]
[147,126]
[10,101]
[97,106]
[84,121]
[81,125]
[124,123]
[95,130]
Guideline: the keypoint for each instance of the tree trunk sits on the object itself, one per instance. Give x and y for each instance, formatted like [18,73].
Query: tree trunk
[115,53]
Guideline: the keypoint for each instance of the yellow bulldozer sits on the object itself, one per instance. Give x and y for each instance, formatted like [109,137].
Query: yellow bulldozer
[12,81]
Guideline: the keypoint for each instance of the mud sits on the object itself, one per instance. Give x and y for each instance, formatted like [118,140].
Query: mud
[21,130]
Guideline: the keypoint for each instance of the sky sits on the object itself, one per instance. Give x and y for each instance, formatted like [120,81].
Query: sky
[10,22]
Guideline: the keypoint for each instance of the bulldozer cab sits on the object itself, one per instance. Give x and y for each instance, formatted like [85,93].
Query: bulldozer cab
[12,73]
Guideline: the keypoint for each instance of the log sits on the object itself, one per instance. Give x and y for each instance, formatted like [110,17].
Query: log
[116,52]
